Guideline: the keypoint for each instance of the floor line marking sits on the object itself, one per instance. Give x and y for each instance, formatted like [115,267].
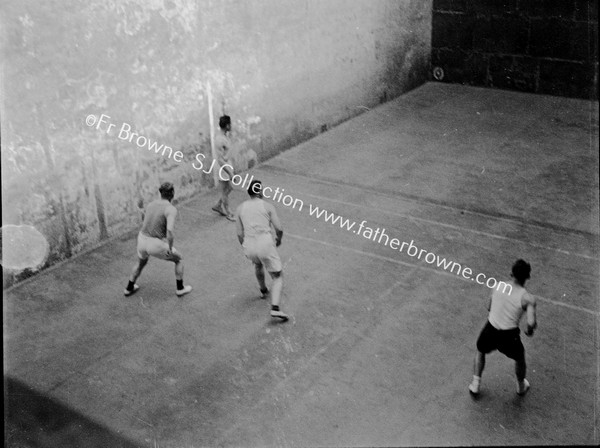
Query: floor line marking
[441,224]
[436,271]
[491,235]
[498,217]
[403,263]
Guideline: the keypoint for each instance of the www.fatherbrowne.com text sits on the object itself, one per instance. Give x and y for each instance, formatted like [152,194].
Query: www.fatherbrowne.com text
[380,236]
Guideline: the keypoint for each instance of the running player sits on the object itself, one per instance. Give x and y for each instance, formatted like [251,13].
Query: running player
[501,332]
[223,153]
[254,219]
[156,239]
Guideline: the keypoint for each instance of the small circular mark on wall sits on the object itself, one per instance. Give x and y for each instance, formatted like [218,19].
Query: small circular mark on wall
[438,73]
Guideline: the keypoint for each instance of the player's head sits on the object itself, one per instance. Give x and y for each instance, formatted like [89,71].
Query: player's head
[167,191]
[225,122]
[521,271]
[255,189]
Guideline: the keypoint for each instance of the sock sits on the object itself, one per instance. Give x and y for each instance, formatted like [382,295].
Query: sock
[275,307]
[476,379]
[130,286]
[179,285]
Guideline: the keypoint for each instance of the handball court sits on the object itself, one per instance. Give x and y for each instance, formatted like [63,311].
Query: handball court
[380,345]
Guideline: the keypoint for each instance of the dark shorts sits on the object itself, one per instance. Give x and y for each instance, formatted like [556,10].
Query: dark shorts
[507,342]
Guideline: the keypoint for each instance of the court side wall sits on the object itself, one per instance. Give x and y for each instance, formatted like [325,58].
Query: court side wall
[538,46]
[284,70]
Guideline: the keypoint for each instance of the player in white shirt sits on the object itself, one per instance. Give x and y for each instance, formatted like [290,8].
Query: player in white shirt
[223,149]
[501,332]
[254,219]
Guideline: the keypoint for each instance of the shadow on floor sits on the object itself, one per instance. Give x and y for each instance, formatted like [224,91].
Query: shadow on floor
[32,419]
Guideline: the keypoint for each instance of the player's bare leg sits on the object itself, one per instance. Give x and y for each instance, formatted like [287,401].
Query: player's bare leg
[179,270]
[478,367]
[181,289]
[218,207]
[137,270]
[260,276]
[276,289]
[225,201]
[520,371]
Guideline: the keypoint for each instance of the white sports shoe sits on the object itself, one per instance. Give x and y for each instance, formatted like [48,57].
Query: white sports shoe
[184,291]
[522,390]
[474,388]
[127,292]
[280,314]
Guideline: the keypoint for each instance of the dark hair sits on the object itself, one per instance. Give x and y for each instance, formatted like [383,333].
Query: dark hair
[167,190]
[224,121]
[254,190]
[521,270]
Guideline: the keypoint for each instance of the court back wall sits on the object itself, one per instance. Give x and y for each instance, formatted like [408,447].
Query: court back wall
[539,46]
[284,70]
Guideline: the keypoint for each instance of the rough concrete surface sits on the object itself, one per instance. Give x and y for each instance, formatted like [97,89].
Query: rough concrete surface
[379,348]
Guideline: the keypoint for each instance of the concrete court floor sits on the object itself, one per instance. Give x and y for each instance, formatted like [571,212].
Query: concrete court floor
[380,345]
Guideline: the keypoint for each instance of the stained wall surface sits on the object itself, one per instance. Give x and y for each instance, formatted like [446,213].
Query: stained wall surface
[284,70]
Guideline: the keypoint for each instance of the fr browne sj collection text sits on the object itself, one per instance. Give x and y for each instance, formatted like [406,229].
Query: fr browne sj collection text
[125,133]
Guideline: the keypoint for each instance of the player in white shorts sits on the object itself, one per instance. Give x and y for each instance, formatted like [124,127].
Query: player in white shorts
[254,219]
[156,239]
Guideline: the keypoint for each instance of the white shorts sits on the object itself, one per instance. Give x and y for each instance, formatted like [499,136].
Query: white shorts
[146,246]
[261,250]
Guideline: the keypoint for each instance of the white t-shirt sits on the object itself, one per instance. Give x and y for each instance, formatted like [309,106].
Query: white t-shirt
[506,309]
[223,148]
[255,218]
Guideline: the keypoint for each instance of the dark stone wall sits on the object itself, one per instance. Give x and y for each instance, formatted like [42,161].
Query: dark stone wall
[539,46]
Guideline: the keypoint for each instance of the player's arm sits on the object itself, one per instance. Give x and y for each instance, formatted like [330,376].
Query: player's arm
[171,213]
[489,304]
[141,208]
[223,149]
[530,305]
[239,225]
[275,223]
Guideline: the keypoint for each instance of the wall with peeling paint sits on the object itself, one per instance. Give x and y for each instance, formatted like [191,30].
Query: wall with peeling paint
[284,70]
